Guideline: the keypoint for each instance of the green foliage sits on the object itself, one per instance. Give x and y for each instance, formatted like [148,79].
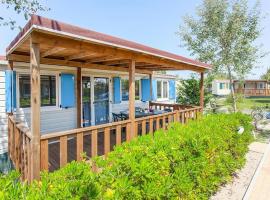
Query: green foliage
[24,7]
[75,181]
[185,162]
[266,76]
[224,34]
[188,92]
[238,97]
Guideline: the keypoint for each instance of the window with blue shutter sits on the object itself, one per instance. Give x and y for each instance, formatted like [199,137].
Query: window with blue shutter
[116,90]
[145,90]
[172,89]
[67,91]
[10,90]
[154,90]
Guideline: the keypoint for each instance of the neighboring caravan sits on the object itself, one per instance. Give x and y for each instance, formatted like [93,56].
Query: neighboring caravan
[71,90]
[247,87]
[221,87]
[252,87]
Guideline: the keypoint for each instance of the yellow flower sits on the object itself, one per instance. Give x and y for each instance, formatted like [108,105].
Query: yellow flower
[109,193]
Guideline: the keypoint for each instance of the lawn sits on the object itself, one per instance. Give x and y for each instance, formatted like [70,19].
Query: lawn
[247,103]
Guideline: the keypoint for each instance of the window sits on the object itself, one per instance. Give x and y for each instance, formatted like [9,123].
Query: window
[137,90]
[47,90]
[165,89]
[125,89]
[221,86]
[159,89]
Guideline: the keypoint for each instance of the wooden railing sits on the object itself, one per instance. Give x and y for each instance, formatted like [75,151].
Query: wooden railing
[254,92]
[57,149]
[19,147]
[70,145]
[163,106]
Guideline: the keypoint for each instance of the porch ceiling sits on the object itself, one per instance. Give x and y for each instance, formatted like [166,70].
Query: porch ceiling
[63,44]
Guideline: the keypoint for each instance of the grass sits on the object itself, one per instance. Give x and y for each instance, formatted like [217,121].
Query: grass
[247,103]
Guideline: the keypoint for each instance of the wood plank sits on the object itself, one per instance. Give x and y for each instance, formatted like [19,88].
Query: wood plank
[35,108]
[44,154]
[80,55]
[136,129]
[132,97]
[118,134]
[29,168]
[157,123]
[128,137]
[202,90]
[94,143]
[63,151]
[51,61]
[79,97]
[52,51]
[164,125]
[79,141]
[107,141]
[151,126]
[143,127]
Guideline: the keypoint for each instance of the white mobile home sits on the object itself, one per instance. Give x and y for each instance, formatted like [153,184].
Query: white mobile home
[221,87]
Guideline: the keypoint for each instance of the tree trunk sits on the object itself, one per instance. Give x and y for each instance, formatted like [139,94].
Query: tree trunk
[232,90]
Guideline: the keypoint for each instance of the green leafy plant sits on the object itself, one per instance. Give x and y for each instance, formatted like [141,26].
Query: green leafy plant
[184,162]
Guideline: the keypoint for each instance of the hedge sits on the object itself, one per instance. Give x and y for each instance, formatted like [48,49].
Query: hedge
[185,162]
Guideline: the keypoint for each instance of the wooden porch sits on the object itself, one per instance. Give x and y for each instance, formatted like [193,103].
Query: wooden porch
[49,42]
[253,92]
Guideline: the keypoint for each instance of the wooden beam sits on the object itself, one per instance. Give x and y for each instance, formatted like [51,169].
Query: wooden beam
[151,86]
[115,62]
[202,90]
[79,97]
[50,61]
[10,65]
[35,109]
[51,40]
[80,55]
[102,59]
[52,51]
[132,97]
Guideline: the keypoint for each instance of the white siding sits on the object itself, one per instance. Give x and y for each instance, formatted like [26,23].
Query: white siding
[3,117]
[51,120]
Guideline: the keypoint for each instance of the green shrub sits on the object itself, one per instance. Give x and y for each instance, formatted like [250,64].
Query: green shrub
[185,162]
[74,181]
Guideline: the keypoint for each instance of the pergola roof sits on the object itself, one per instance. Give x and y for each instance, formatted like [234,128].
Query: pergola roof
[71,44]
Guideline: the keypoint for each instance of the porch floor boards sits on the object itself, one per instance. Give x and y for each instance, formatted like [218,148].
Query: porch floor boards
[54,148]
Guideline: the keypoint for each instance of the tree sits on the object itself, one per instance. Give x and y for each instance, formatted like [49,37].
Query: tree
[266,76]
[223,34]
[188,92]
[24,7]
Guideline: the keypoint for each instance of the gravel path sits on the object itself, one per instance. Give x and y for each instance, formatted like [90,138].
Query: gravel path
[236,189]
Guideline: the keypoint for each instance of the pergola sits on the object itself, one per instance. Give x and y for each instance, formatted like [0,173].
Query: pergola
[46,41]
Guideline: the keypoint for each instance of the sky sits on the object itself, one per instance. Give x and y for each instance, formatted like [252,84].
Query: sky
[150,22]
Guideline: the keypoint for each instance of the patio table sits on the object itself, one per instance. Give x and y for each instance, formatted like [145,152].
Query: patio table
[138,114]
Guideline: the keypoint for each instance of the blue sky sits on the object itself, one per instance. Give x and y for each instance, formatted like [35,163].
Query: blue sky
[150,22]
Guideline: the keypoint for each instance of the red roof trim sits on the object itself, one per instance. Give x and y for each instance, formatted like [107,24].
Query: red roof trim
[71,29]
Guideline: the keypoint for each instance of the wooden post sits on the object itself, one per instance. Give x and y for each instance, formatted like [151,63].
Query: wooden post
[201,91]
[79,97]
[132,97]
[151,86]
[35,109]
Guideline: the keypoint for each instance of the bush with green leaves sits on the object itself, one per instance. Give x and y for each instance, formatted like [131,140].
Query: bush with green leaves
[185,162]
[74,181]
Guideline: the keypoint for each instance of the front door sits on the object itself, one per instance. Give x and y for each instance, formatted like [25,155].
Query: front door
[101,100]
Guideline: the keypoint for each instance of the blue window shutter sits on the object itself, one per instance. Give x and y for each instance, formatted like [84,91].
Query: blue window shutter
[67,91]
[14,99]
[116,90]
[172,89]
[145,89]
[8,90]
[154,90]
